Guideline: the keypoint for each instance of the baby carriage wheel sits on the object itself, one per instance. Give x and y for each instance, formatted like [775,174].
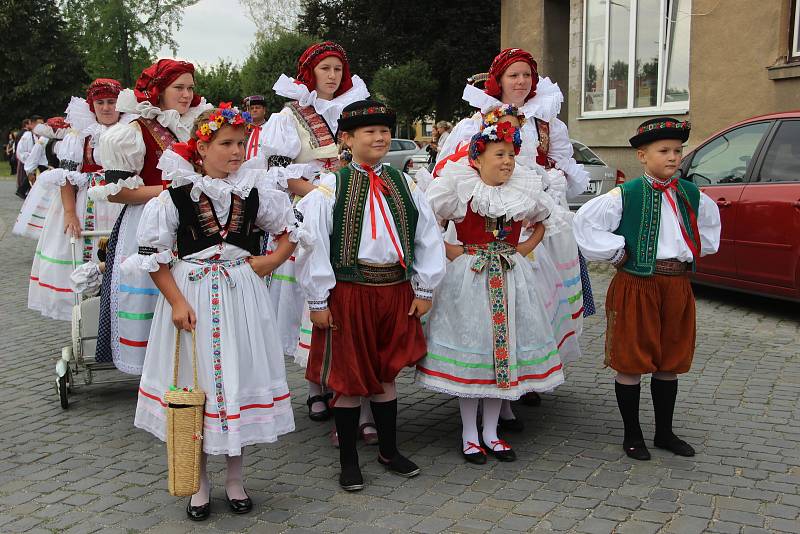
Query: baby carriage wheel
[61,387]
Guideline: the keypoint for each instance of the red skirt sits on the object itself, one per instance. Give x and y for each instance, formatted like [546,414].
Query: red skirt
[374,339]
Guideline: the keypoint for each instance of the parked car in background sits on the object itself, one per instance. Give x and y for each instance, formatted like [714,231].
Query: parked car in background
[751,169]
[401,152]
[602,178]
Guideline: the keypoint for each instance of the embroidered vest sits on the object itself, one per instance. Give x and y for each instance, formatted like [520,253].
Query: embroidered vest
[476,229]
[89,164]
[156,140]
[641,220]
[317,141]
[352,193]
[199,228]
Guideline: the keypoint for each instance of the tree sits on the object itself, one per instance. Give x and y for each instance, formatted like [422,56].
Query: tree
[115,36]
[268,60]
[273,17]
[410,100]
[39,67]
[456,39]
[219,83]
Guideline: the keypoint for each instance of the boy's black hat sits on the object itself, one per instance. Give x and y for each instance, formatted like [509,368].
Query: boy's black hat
[255,100]
[366,113]
[660,128]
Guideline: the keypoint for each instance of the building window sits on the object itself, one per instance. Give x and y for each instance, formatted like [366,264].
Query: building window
[636,55]
[794,52]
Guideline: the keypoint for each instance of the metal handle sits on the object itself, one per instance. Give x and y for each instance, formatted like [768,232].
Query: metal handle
[722,203]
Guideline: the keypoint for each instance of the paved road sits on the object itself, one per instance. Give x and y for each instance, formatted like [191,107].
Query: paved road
[88,470]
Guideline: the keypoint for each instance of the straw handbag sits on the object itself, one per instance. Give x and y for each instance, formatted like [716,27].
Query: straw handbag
[185,408]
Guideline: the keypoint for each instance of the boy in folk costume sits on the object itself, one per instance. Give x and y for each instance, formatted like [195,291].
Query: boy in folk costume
[256,106]
[379,256]
[651,229]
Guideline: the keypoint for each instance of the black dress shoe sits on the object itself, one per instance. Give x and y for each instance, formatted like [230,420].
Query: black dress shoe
[510,425]
[636,450]
[239,506]
[323,415]
[531,399]
[400,465]
[350,478]
[198,513]
[505,454]
[674,444]
[478,458]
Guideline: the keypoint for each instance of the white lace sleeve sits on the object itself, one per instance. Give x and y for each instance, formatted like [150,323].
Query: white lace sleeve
[709,224]
[34,156]
[280,136]
[156,235]
[121,148]
[276,214]
[430,263]
[595,223]
[313,265]
[561,151]
[443,199]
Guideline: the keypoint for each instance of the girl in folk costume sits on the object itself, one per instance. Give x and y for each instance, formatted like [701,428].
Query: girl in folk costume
[513,79]
[165,106]
[300,143]
[651,229]
[216,212]
[72,212]
[488,334]
[30,220]
[377,257]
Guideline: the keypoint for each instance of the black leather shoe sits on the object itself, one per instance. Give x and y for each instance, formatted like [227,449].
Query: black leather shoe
[350,478]
[531,399]
[636,450]
[510,425]
[400,465]
[239,506]
[324,415]
[198,513]
[478,457]
[674,444]
[503,455]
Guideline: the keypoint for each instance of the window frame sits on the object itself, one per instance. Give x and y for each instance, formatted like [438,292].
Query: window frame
[630,110]
[764,149]
[794,32]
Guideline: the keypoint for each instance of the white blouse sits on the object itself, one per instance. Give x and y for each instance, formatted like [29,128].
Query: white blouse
[314,271]
[544,106]
[596,221]
[158,226]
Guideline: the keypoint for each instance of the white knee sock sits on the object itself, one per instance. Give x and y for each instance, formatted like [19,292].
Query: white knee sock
[491,414]
[469,424]
[234,485]
[203,494]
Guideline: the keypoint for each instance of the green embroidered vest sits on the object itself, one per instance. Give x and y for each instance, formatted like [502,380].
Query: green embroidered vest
[352,195]
[641,220]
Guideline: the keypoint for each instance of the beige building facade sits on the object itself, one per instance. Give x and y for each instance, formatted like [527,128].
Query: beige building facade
[620,62]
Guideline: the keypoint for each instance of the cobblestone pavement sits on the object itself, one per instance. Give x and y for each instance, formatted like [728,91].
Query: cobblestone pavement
[87,469]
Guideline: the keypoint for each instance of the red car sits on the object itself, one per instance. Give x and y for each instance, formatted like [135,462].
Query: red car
[752,170]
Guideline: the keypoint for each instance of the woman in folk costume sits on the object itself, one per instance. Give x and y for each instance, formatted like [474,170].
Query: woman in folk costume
[165,107]
[513,79]
[300,143]
[30,220]
[488,333]
[215,214]
[72,212]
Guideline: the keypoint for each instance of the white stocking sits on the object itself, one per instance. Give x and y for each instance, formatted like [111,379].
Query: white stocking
[203,494]
[469,424]
[234,485]
[491,414]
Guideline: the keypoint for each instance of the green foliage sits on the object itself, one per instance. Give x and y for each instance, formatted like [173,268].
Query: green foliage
[456,39]
[117,36]
[220,83]
[409,89]
[268,60]
[40,67]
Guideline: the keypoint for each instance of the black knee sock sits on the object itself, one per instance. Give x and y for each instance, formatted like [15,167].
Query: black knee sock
[628,401]
[385,414]
[664,393]
[347,428]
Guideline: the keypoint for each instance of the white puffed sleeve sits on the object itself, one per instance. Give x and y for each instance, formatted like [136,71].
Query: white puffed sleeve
[280,136]
[444,200]
[70,149]
[595,223]
[709,224]
[561,151]
[430,262]
[276,214]
[24,146]
[35,156]
[157,233]
[313,264]
[462,132]
[121,148]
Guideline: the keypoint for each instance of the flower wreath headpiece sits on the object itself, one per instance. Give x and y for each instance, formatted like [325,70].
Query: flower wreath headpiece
[494,115]
[502,132]
[224,114]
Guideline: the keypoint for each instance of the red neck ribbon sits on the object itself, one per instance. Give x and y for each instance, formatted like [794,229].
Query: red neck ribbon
[694,246]
[376,187]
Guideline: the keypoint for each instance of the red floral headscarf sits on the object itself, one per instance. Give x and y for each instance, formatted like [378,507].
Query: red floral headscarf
[57,123]
[501,62]
[102,88]
[311,58]
[158,76]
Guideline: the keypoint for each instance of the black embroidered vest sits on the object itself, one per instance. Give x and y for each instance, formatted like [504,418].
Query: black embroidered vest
[199,228]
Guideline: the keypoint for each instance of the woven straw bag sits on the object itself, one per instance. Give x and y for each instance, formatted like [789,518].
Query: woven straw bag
[185,408]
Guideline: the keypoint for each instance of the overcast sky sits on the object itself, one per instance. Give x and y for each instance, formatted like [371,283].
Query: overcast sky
[213,30]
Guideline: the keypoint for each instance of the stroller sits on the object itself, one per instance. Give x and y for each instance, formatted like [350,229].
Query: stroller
[78,357]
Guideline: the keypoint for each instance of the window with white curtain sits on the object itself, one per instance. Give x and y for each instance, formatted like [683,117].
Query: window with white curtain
[636,55]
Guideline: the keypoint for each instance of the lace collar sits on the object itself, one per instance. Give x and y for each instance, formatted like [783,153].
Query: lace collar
[178,124]
[544,106]
[180,172]
[330,110]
